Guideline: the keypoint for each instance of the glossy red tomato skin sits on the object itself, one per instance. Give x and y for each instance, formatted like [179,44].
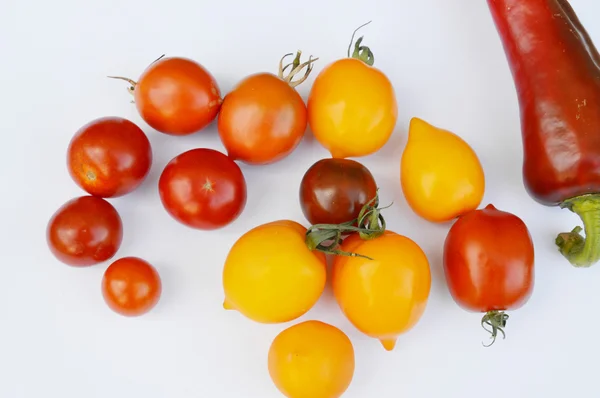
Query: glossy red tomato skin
[85,231]
[177,96]
[109,157]
[334,191]
[131,286]
[203,188]
[262,120]
[489,261]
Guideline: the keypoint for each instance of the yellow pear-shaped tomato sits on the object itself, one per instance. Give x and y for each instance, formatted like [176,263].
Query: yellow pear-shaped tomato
[440,173]
[312,360]
[271,276]
[352,107]
[385,294]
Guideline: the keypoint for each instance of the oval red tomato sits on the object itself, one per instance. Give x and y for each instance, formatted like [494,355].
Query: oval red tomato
[109,157]
[334,191]
[262,120]
[131,286]
[203,188]
[489,264]
[84,231]
[177,96]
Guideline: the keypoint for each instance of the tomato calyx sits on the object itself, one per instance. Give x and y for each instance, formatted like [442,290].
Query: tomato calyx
[327,238]
[580,251]
[297,67]
[496,321]
[133,83]
[362,53]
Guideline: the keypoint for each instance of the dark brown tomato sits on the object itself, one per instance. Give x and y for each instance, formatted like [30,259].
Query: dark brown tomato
[334,191]
[85,231]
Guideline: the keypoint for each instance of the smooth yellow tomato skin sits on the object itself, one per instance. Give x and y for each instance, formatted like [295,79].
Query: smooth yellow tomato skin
[386,296]
[441,176]
[270,275]
[352,108]
[312,360]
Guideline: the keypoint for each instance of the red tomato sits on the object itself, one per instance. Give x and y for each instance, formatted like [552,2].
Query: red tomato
[262,120]
[202,188]
[131,286]
[333,191]
[489,264]
[85,231]
[109,157]
[177,96]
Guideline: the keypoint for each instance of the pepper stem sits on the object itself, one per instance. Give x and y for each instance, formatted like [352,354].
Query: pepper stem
[296,68]
[369,224]
[362,53]
[496,321]
[582,251]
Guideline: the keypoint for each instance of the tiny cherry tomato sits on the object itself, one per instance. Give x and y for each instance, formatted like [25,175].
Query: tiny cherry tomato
[334,191]
[176,96]
[85,231]
[264,118]
[203,188]
[109,157]
[131,286]
[440,174]
[352,108]
[489,265]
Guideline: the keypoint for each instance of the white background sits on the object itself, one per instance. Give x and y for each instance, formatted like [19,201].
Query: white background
[59,339]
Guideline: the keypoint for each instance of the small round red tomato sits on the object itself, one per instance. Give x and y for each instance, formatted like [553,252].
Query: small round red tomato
[131,286]
[489,264]
[109,157]
[203,188]
[264,118]
[85,231]
[176,96]
[333,191]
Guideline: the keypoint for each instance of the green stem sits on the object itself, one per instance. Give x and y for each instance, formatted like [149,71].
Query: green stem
[327,238]
[496,320]
[362,53]
[582,251]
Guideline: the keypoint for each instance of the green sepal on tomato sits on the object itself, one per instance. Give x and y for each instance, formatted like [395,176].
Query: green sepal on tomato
[489,265]
[556,71]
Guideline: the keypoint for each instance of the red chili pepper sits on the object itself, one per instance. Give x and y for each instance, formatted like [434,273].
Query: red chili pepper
[556,70]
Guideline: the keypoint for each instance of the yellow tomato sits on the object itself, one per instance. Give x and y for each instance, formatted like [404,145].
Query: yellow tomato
[352,108]
[271,276]
[312,360]
[441,175]
[383,296]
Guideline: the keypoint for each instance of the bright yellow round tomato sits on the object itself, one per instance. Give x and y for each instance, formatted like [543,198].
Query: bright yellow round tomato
[386,295]
[271,276]
[352,108]
[312,360]
[441,175]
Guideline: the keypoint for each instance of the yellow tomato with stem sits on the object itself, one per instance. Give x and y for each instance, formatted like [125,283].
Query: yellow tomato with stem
[383,288]
[312,360]
[270,275]
[441,175]
[352,108]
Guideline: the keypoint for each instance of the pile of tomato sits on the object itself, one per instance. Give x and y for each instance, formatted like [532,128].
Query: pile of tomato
[276,272]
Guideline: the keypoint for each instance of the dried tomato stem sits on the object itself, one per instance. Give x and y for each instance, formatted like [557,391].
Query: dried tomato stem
[297,67]
[132,83]
[582,251]
[496,320]
[369,224]
[362,53]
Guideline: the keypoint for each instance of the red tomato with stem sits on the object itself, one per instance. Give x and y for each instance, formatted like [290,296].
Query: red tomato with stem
[489,265]
[203,188]
[131,286]
[264,118]
[85,231]
[333,191]
[109,157]
[176,96]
